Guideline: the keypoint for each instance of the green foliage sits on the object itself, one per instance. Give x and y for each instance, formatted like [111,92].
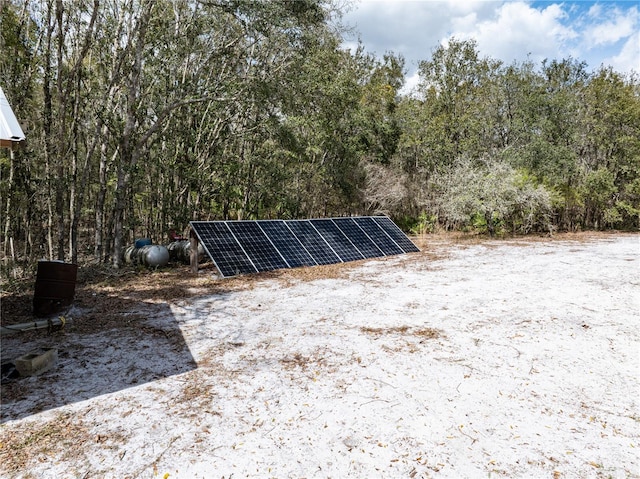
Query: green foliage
[571,134]
[424,223]
[142,116]
[490,196]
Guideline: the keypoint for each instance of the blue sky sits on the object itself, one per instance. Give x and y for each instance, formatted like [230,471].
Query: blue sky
[597,32]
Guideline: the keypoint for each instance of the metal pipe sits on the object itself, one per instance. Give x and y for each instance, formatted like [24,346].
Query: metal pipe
[58,323]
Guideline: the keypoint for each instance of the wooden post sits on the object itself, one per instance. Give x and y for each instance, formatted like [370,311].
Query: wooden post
[193,254]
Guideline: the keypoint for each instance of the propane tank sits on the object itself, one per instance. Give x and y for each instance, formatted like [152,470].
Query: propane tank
[129,254]
[154,255]
[181,251]
[151,255]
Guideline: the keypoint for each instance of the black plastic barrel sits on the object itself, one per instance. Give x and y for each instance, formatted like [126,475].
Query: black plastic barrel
[55,287]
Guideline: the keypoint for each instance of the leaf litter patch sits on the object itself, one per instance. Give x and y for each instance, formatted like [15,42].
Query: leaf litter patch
[422,333]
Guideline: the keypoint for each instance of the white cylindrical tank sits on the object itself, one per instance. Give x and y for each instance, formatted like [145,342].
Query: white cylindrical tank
[181,251]
[151,255]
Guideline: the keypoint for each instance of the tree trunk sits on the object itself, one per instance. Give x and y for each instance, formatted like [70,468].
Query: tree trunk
[61,133]
[129,149]
[118,217]
[488,218]
[99,250]
[7,217]
[76,195]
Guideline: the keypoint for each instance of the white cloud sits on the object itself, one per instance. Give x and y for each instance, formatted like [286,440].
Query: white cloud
[598,32]
[616,25]
[412,28]
[410,84]
[518,30]
[629,57]
[595,10]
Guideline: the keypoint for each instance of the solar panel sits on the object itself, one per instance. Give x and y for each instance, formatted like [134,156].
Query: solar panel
[222,248]
[340,244]
[396,234]
[287,244]
[315,244]
[241,247]
[263,255]
[373,231]
[358,237]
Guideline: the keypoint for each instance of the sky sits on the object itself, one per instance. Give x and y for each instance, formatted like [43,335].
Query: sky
[597,32]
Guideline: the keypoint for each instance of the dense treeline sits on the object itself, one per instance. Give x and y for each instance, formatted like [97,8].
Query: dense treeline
[143,115]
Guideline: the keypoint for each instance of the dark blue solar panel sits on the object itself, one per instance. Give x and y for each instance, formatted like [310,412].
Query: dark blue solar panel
[337,240]
[317,247]
[284,240]
[240,247]
[377,235]
[263,254]
[396,234]
[222,248]
[358,237]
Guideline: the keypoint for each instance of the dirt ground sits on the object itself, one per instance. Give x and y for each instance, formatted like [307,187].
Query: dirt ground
[475,357]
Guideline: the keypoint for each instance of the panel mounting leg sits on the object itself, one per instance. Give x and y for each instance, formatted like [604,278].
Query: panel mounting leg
[193,254]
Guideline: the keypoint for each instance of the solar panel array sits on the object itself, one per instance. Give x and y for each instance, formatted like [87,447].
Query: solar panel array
[240,247]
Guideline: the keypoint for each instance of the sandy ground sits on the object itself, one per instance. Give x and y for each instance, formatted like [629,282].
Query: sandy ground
[491,359]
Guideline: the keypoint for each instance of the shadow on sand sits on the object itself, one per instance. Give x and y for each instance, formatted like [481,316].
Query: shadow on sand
[99,352]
